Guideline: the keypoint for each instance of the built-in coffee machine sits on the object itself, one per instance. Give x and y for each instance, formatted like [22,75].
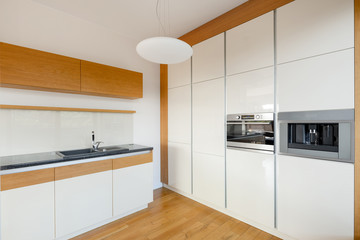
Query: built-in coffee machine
[319,134]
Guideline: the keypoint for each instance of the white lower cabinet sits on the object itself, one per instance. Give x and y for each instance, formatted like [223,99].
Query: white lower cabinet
[27,213]
[315,198]
[250,185]
[179,160]
[209,178]
[82,201]
[132,188]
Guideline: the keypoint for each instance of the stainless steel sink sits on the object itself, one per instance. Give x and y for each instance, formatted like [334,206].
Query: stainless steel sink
[89,152]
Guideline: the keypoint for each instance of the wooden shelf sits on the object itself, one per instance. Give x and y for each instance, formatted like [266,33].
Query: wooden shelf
[19,107]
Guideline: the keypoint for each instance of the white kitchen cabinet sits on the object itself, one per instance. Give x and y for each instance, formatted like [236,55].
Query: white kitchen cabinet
[250,92]
[209,117]
[27,213]
[209,178]
[82,201]
[179,168]
[318,83]
[308,28]
[315,198]
[132,188]
[250,45]
[250,185]
[179,74]
[208,59]
[179,114]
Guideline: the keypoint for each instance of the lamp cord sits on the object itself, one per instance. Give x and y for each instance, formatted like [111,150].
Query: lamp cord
[158,16]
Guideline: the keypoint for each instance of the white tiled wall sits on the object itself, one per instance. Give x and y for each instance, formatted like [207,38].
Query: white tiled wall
[29,131]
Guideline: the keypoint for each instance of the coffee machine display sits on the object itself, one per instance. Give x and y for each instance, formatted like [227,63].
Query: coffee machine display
[314,136]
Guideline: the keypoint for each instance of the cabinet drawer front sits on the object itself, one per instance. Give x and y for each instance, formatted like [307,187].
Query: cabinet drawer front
[82,169]
[105,80]
[18,180]
[36,69]
[132,160]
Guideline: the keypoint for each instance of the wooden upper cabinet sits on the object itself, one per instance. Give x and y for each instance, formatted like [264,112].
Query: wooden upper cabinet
[22,67]
[100,79]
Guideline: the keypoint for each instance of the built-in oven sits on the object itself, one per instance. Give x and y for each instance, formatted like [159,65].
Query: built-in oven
[251,131]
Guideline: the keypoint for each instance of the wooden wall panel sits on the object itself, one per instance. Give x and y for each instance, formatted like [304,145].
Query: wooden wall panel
[27,67]
[357,120]
[82,169]
[164,122]
[132,160]
[239,15]
[24,179]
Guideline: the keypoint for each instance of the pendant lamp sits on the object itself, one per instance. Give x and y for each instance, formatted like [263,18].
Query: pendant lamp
[164,50]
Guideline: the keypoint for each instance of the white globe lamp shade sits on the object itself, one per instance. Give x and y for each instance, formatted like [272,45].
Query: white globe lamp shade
[164,50]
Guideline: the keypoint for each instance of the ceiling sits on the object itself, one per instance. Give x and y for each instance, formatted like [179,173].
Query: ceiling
[137,19]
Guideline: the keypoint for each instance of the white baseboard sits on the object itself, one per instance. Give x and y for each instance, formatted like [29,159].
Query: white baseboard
[272,231]
[84,230]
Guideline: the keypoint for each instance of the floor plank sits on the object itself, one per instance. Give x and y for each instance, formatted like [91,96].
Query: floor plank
[174,217]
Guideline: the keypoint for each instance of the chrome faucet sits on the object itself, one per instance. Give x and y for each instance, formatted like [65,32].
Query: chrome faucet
[95,145]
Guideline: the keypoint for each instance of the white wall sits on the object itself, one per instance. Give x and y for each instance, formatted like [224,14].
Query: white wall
[30,24]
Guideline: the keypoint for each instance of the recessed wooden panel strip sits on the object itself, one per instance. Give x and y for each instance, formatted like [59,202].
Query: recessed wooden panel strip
[357,120]
[132,160]
[82,169]
[164,122]
[29,67]
[239,15]
[107,80]
[64,109]
[18,180]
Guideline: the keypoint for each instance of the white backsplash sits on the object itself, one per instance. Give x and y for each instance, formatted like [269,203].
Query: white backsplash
[32,131]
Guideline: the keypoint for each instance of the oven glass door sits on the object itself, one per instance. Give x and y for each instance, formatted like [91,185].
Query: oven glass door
[251,134]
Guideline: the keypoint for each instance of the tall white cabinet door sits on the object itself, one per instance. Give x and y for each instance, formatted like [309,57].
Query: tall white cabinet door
[250,92]
[308,28]
[179,168]
[208,59]
[179,114]
[208,117]
[315,198]
[250,185]
[250,45]
[179,74]
[209,178]
[82,201]
[132,188]
[318,83]
[27,213]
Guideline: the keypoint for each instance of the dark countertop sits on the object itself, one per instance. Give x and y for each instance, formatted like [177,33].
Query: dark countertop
[36,159]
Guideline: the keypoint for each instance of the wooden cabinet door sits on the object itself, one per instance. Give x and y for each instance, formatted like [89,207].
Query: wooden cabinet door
[98,79]
[28,68]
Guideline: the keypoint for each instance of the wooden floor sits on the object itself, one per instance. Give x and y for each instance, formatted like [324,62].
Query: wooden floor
[173,216]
